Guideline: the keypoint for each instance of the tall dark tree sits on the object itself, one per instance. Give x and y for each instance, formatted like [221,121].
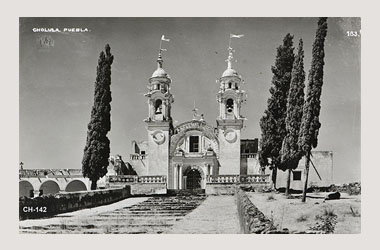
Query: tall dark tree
[290,153]
[273,122]
[310,125]
[97,149]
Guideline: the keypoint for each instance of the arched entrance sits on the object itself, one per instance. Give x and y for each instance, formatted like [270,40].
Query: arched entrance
[193,179]
[75,185]
[49,187]
[25,189]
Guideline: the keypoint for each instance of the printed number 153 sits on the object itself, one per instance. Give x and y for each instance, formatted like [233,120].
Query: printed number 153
[352,33]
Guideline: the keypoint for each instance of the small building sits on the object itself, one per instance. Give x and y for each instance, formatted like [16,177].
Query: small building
[323,162]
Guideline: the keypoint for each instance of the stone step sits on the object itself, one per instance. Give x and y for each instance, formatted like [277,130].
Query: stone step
[155,215]
[165,208]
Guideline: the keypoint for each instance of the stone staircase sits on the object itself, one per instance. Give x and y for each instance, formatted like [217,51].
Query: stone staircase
[155,215]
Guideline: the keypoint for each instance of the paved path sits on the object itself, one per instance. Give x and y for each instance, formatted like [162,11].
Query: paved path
[133,215]
[77,217]
[216,215]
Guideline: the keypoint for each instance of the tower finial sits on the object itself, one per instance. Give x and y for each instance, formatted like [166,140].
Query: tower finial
[229,58]
[195,112]
[230,50]
[160,60]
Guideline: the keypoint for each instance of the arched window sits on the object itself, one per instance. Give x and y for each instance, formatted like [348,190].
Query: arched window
[230,105]
[229,85]
[158,106]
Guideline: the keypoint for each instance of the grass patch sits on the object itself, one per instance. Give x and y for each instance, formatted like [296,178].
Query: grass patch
[270,197]
[302,218]
[328,211]
[353,212]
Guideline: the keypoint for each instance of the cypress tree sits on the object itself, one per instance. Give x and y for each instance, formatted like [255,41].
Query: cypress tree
[97,149]
[290,153]
[310,125]
[272,123]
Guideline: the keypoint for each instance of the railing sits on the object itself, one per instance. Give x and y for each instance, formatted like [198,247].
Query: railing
[123,178]
[248,155]
[52,173]
[243,179]
[223,179]
[137,179]
[255,178]
[152,179]
[137,156]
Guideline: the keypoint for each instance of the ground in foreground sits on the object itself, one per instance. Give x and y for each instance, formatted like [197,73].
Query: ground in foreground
[298,216]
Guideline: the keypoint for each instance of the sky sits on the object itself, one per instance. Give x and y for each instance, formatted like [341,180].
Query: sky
[56,87]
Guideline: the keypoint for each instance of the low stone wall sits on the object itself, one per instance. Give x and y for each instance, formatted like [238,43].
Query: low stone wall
[46,206]
[148,188]
[251,219]
[220,189]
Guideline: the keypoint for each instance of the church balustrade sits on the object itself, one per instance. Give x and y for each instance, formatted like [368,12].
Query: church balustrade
[50,173]
[248,155]
[255,178]
[137,179]
[123,178]
[246,179]
[223,179]
[152,179]
[137,156]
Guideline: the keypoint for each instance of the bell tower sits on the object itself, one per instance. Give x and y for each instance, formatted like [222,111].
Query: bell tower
[159,120]
[229,122]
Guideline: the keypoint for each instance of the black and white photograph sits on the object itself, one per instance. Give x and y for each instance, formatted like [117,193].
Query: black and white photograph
[190,125]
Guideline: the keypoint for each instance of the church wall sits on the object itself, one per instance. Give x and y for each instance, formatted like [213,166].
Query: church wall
[140,166]
[243,166]
[249,166]
[253,166]
[229,157]
[323,161]
[158,158]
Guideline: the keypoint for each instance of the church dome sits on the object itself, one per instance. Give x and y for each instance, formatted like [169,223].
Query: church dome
[160,72]
[230,72]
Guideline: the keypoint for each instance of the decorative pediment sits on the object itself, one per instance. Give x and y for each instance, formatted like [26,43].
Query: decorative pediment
[180,132]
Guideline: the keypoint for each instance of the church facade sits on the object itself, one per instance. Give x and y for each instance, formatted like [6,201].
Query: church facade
[193,151]
[190,154]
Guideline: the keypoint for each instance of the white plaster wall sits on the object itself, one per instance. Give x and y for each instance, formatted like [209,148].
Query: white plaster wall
[229,157]
[253,166]
[323,161]
[158,159]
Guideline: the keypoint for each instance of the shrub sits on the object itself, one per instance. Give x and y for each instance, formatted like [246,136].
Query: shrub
[327,221]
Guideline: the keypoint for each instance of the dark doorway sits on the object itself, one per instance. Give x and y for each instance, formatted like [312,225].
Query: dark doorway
[193,179]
